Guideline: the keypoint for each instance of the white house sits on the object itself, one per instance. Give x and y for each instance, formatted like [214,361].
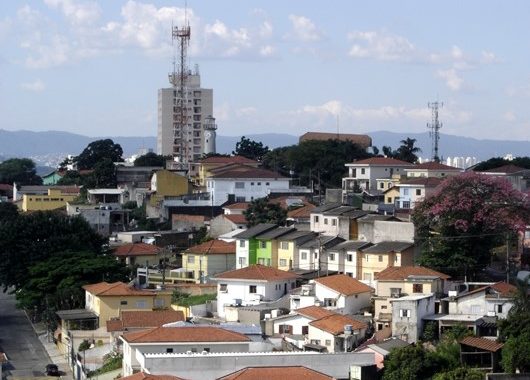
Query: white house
[414,190]
[244,184]
[338,221]
[335,333]
[343,294]
[432,169]
[297,322]
[408,313]
[364,173]
[342,258]
[252,285]
[309,253]
[181,339]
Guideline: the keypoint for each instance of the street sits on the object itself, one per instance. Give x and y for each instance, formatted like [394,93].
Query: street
[26,354]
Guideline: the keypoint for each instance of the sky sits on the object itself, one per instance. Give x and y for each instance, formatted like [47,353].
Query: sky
[94,67]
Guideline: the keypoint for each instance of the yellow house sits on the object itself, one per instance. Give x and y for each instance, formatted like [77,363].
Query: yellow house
[56,198]
[107,300]
[205,260]
[378,257]
[395,282]
[288,247]
[390,195]
[168,184]
[139,254]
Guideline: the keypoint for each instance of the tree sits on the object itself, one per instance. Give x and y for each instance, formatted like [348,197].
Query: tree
[516,354]
[250,149]
[96,151]
[460,373]
[8,212]
[104,174]
[19,170]
[34,238]
[388,152]
[151,159]
[407,151]
[262,211]
[409,363]
[496,162]
[466,217]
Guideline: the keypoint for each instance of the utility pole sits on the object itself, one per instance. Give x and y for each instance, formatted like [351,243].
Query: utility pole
[507,257]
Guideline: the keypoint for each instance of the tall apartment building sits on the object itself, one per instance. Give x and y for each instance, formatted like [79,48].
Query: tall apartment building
[189,140]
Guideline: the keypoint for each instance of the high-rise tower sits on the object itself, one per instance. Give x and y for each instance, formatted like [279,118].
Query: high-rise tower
[183,109]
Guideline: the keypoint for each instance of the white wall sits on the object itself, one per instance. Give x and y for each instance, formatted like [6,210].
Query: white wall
[221,187]
[296,321]
[242,247]
[328,225]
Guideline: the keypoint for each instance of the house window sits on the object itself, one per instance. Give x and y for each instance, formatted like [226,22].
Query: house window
[333,222]
[380,258]
[382,185]
[191,259]
[261,261]
[417,288]
[242,244]
[325,220]
[350,274]
[267,183]
[206,349]
[223,288]
[499,308]
[389,200]
[242,261]
[304,255]
[159,302]
[284,245]
[169,350]
[283,262]
[259,183]
[363,171]
[305,330]
[418,191]
[240,199]
[331,257]
[263,244]
[240,185]
[384,307]
[366,257]
[330,302]
[349,257]
[328,342]
[475,309]
[406,204]
[141,304]
[251,183]
[285,329]
[253,289]
[404,313]
[405,191]
[315,341]
[395,292]
[316,219]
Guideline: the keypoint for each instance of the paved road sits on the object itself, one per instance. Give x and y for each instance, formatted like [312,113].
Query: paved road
[26,354]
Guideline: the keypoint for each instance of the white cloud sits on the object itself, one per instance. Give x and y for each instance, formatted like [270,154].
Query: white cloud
[488,57]
[509,116]
[35,86]
[77,13]
[452,78]
[304,30]
[380,46]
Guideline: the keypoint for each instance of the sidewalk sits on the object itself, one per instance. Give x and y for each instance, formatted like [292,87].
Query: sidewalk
[52,350]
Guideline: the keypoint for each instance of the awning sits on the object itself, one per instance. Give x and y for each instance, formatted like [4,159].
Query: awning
[76,314]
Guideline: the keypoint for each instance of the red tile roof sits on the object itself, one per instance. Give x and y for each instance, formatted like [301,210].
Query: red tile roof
[276,373]
[136,249]
[238,206]
[343,284]
[504,288]
[402,273]
[249,172]
[258,272]
[382,161]
[6,187]
[115,289]
[185,334]
[144,319]
[432,165]
[314,312]
[236,218]
[334,324]
[227,160]
[146,376]
[301,212]
[482,343]
[213,247]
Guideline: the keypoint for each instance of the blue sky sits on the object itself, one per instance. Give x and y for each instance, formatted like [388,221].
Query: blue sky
[94,67]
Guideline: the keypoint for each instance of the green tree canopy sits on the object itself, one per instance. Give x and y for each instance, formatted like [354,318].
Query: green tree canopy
[8,212]
[35,237]
[460,373]
[407,151]
[250,149]
[19,170]
[151,159]
[262,211]
[467,216]
[96,151]
[497,162]
[104,174]
[411,362]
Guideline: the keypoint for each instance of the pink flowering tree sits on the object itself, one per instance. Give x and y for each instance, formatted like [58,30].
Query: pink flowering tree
[464,219]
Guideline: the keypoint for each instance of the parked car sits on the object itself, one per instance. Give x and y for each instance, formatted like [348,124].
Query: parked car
[52,370]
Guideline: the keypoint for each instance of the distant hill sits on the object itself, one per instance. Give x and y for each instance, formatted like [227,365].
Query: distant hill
[58,144]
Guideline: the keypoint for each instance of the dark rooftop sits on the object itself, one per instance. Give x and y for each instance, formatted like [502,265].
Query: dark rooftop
[388,246]
[274,233]
[255,231]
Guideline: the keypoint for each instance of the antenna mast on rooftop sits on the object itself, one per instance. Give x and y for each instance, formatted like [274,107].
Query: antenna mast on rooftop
[434,127]
[179,80]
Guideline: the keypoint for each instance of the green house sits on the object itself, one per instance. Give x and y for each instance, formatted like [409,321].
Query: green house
[247,244]
[267,250]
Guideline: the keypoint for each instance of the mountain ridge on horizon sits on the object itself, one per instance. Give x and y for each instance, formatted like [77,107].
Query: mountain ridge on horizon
[23,143]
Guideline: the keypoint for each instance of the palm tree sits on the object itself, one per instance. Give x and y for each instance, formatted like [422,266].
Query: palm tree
[407,151]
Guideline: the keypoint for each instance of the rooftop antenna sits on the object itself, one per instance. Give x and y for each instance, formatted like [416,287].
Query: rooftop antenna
[338,134]
[434,127]
[179,79]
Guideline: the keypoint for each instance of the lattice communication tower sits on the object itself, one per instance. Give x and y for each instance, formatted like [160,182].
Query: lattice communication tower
[434,127]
